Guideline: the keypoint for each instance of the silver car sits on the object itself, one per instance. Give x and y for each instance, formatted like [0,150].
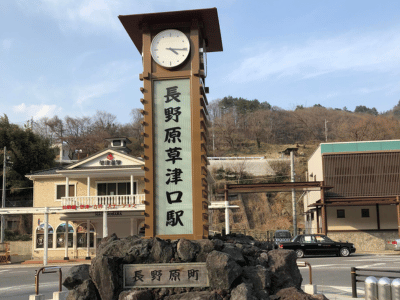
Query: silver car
[281,236]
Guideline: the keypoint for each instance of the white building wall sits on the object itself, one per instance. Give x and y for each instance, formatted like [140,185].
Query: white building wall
[352,219]
[314,173]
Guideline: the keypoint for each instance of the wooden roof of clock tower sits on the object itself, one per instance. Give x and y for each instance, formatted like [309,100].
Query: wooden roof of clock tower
[207,17]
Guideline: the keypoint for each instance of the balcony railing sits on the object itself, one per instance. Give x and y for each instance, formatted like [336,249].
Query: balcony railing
[103,200]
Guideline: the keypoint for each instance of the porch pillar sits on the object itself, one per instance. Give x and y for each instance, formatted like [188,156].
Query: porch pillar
[46,236]
[67,186]
[88,239]
[88,186]
[378,220]
[105,225]
[317,218]
[323,210]
[398,215]
[227,229]
[66,241]
[132,197]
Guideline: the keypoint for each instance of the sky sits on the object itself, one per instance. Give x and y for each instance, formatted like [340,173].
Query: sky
[72,58]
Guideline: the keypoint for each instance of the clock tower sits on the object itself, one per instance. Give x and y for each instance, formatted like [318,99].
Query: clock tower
[174,46]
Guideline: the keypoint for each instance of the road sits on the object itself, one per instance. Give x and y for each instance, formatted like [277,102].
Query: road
[17,282]
[330,274]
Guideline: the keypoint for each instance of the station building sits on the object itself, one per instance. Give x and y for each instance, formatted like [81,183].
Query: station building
[86,200]
[359,201]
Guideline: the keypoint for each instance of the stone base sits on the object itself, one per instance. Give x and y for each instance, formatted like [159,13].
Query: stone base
[367,240]
[36,297]
[60,295]
[310,289]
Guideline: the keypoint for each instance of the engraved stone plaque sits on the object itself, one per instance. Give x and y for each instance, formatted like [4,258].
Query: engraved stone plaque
[166,275]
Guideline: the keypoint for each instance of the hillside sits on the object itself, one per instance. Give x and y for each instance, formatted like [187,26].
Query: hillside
[264,211]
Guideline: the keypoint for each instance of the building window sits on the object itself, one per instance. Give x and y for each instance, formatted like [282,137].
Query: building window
[12,225]
[60,235]
[40,236]
[115,188]
[365,213]
[81,236]
[340,213]
[312,216]
[61,191]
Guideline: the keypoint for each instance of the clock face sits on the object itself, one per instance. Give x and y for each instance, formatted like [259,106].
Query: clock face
[170,48]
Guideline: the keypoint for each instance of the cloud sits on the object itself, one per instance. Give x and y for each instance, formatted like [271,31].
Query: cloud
[37,111]
[6,44]
[99,16]
[376,51]
[48,97]
[77,15]
[86,93]
[108,79]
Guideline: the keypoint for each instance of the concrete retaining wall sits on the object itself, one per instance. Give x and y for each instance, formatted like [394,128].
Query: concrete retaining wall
[365,240]
[20,251]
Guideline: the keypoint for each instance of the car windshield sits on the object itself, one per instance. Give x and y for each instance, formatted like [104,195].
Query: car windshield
[323,239]
[295,239]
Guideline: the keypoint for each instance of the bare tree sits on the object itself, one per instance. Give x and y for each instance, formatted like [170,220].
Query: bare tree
[104,121]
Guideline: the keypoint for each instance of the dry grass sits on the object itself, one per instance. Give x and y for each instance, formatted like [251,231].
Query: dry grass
[272,211]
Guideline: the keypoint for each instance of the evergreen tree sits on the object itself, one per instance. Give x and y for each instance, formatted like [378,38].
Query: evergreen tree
[27,151]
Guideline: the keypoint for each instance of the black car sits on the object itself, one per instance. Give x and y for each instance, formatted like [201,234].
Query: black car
[317,244]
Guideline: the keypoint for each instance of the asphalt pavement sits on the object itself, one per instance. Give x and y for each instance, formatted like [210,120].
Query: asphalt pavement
[330,274]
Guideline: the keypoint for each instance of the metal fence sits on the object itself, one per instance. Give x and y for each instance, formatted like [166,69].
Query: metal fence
[261,235]
[360,274]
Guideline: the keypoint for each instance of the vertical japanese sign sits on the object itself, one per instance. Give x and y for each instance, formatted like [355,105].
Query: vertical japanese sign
[172,157]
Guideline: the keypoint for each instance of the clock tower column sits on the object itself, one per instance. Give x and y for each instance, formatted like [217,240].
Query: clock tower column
[173,46]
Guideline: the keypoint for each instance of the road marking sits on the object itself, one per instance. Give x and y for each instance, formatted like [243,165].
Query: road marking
[344,290]
[21,272]
[373,265]
[27,286]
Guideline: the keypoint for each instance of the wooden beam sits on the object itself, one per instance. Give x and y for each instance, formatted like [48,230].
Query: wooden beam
[390,198]
[271,187]
[359,203]
[323,210]
[398,215]
[378,221]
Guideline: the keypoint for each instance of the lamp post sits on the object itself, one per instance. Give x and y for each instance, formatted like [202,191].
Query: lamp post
[3,199]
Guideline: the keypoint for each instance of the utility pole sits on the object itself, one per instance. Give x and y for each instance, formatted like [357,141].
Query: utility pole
[293,193]
[3,199]
[326,130]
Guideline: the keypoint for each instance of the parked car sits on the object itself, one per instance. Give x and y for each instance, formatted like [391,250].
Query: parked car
[281,236]
[317,244]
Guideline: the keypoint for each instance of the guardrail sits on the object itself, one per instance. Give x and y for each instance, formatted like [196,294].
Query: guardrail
[305,264]
[357,275]
[44,271]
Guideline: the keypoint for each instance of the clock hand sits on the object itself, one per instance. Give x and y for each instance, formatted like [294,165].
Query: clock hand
[179,48]
[173,50]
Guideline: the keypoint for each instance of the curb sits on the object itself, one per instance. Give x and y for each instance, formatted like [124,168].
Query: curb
[55,261]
